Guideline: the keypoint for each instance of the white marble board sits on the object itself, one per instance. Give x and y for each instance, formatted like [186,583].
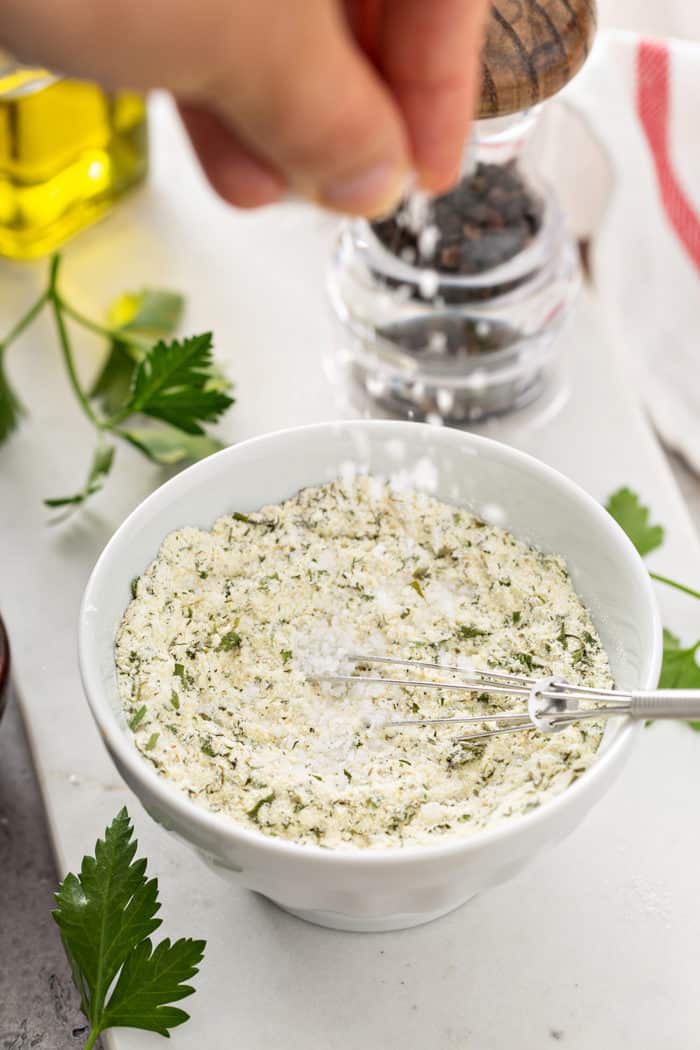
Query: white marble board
[598,944]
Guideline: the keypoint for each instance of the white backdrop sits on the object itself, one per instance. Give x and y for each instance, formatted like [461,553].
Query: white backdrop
[653,17]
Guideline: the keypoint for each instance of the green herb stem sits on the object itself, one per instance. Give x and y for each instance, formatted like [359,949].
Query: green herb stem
[115,334]
[119,417]
[70,363]
[675,584]
[170,380]
[66,349]
[24,322]
[54,267]
[92,1038]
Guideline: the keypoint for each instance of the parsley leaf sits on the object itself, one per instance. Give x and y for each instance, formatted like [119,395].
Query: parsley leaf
[150,979]
[625,507]
[630,513]
[174,382]
[229,641]
[237,516]
[10,407]
[149,315]
[113,384]
[154,312]
[254,813]
[417,588]
[527,660]
[168,445]
[671,640]
[138,717]
[99,469]
[106,915]
[465,632]
[680,668]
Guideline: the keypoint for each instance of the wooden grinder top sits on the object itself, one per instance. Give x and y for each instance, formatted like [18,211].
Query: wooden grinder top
[533,48]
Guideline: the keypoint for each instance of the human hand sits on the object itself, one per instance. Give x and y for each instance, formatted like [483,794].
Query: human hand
[335,101]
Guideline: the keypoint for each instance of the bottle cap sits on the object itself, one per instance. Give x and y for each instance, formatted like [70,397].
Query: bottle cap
[533,49]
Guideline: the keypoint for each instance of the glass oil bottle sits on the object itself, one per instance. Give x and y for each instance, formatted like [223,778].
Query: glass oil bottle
[68,151]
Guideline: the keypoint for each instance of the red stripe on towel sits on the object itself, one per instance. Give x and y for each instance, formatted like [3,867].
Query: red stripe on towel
[653,107]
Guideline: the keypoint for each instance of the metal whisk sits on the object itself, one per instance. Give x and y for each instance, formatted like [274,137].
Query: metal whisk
[551,703]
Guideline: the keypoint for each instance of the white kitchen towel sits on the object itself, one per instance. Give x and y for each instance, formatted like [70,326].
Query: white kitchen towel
[640,99]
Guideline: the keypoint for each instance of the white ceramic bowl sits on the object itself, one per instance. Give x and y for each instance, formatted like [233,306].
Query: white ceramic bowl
[388,888]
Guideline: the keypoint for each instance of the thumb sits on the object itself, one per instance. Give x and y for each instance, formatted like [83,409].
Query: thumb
[305,99]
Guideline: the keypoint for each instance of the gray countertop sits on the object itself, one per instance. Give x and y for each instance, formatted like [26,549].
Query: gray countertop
[38,1005]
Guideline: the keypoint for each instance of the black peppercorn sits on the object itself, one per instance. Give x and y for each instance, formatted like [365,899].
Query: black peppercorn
[483,222]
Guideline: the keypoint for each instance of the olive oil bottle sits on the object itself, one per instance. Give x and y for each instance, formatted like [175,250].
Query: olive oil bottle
[68,151]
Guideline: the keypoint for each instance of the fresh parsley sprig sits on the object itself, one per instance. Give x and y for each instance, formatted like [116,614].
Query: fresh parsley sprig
[147,375]
[106,915]
[630,513]
[679,669]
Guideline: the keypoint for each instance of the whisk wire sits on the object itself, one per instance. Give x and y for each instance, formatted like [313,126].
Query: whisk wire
[552,704]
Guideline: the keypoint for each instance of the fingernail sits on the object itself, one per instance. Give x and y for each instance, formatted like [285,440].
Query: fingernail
[433,181]
[372,192]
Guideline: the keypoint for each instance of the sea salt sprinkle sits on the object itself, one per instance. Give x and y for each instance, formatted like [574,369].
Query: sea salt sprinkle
[428,283]
[445,401]
[414,213]
[427,241]
[488,218]
[434,419]
[375,386]
[215,652]
[437,342]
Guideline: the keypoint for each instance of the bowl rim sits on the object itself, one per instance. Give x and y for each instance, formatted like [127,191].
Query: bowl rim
[172,799]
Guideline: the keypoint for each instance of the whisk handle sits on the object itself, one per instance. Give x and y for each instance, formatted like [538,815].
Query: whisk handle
[666,703]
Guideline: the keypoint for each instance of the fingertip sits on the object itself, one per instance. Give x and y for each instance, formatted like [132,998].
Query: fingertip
[438,181]
[430,57]
[372,192]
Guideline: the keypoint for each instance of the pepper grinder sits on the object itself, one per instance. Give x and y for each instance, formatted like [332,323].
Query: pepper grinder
[447,310]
